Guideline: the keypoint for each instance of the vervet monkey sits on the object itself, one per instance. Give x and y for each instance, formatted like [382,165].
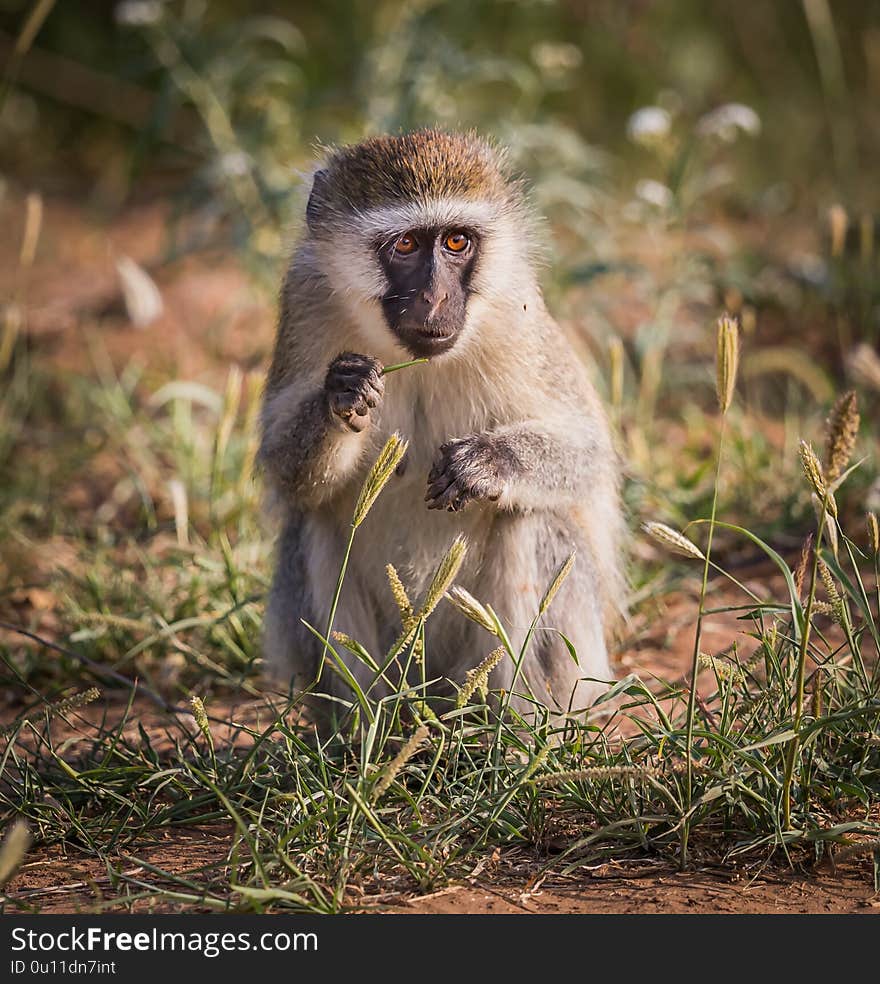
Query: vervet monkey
[422,245]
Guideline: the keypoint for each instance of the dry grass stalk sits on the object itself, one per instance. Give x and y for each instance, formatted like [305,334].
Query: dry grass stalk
[677,542]
[873,533]
[615,357]
[816,696]
[726,360]
[843,428]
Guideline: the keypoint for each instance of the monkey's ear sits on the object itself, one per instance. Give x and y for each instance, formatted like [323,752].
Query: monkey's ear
[317,198]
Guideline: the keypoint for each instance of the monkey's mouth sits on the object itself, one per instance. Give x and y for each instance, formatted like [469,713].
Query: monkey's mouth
[424,340]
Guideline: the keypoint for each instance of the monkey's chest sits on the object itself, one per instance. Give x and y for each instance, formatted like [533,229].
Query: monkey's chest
[401,530]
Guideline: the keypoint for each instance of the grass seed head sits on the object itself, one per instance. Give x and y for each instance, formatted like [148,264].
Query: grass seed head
[677,542]
[536,763]
[353,646]
[600,772]
[59,707]
[468,605]
[201,716]
[726,360]
[445,575]
[838,609]
[415,742]
[863,365]
[723,669]
[554,586]
[823,608]
[800,572]
[379,476]
[843,428]
[813,471]
[74,701]
[477,679]
[401,598]
[873,533]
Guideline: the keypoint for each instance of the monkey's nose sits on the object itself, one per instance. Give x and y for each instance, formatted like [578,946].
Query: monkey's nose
[434,303]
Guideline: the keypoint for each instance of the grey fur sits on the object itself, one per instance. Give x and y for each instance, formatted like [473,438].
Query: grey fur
[508,445]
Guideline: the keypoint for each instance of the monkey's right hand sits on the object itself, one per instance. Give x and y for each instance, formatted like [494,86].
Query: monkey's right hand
[354,386]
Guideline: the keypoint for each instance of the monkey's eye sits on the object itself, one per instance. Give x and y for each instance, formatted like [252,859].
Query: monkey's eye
[456,242]
[405,245]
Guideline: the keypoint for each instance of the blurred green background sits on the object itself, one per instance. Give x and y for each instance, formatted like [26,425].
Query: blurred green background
[110,96]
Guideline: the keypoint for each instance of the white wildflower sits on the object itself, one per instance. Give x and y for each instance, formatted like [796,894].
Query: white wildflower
[726,122]
[654,193]
[137,13]
[648,125]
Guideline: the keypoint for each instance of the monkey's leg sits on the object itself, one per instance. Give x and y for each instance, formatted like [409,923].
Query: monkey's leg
[309,553]
[523,555]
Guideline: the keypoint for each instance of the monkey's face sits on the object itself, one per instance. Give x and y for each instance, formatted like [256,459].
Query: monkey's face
[429,271]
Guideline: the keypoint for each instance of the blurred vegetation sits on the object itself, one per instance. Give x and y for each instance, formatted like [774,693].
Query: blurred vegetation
[287,73]
[110,90]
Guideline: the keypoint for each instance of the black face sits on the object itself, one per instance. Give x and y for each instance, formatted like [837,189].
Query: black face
[429,272]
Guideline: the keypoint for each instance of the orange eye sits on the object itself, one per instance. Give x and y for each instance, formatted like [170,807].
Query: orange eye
[456,242]
[405,245]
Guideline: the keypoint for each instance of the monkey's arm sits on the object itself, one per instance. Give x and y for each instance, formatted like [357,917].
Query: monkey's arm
[529,465]
[312,441]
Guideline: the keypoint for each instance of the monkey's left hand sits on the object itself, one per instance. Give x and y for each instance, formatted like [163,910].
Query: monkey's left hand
[476,467]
